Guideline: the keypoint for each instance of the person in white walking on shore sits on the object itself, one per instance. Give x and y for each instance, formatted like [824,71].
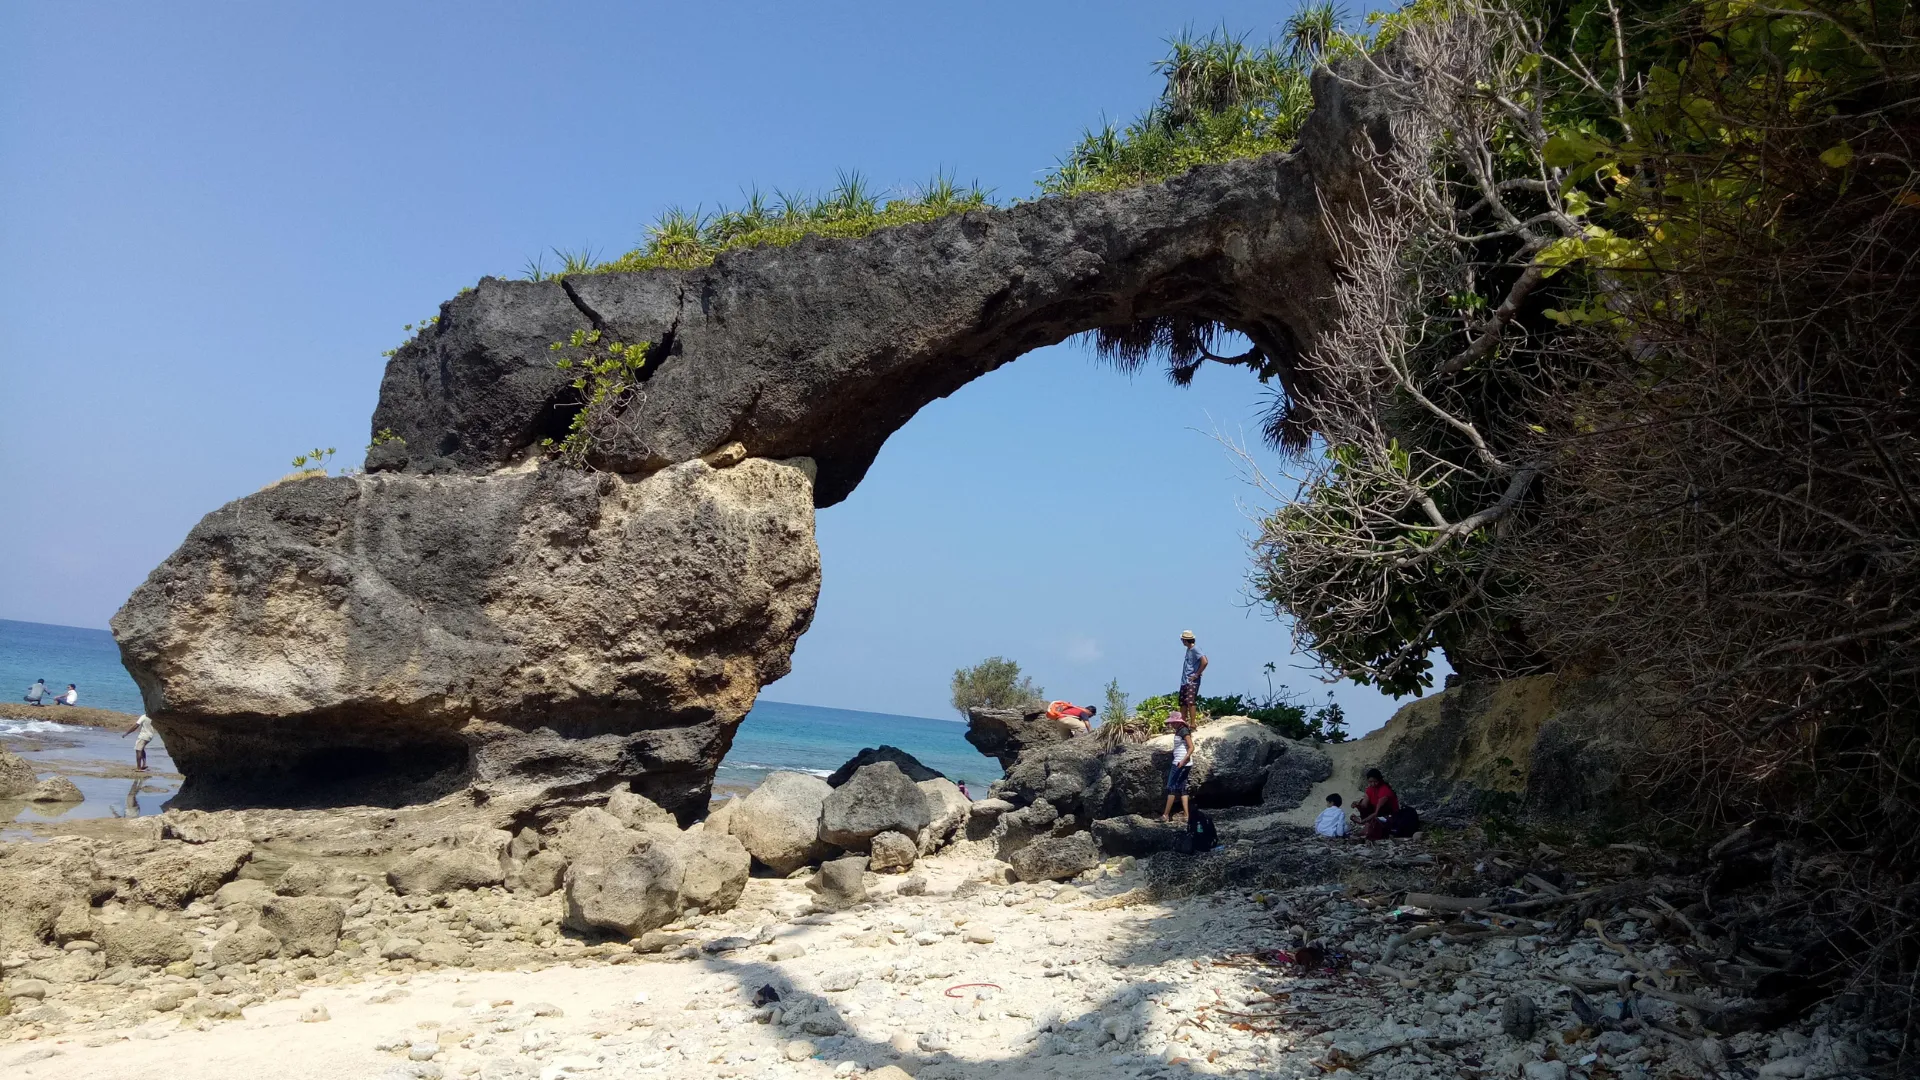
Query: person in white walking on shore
[144,726]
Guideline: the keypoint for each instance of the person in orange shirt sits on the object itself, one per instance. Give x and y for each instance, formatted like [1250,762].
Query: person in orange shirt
[1068,711]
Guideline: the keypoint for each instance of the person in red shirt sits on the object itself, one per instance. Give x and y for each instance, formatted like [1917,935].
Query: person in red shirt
[1377,807]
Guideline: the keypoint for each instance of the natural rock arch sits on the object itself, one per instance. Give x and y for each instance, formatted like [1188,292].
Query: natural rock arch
[468,614]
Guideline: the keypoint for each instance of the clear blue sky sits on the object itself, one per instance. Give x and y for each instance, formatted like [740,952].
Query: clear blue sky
[218,215]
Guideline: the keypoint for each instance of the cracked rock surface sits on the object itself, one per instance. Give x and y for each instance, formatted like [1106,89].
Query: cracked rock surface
[385,638]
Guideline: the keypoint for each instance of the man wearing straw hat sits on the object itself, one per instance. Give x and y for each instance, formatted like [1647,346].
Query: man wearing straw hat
[1190,668]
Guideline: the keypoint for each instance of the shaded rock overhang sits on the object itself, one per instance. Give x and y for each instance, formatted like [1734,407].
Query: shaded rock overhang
[824,348]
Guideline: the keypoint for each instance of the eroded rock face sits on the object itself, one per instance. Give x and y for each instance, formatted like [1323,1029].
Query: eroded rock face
[824,348]
[381,638]
[467,614]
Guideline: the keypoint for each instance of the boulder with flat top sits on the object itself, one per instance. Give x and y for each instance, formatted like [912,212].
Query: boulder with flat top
[877,798]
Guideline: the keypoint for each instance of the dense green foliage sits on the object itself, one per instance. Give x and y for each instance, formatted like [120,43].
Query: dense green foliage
[994,683]
[1222,99]
[687,239]
[1276,710]
[1623,379]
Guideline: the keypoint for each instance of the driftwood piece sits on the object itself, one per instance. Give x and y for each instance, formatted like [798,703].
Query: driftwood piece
[1438,902]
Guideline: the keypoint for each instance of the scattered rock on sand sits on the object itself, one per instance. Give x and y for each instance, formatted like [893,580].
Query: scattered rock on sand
[143,943]
[303,879]
[1055,858]
[892,851]
[1136,834]
[654,941]
[667,874]
[305,925]
[540,875]
[779,821]
[1519,1016]
[472,858]
[55,789]
[841,883]
[178,873]
[16,776]
[593,835]
[441,870]
[250,892]
[876,799]
[74,923]
[247,945]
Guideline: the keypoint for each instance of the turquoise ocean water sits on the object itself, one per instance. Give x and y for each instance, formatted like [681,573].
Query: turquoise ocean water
[775,735]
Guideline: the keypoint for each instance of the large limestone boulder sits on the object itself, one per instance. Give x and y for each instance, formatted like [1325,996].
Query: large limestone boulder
[380,638]
[1294,774]
[16,776]
[668,873]
[1230,759]
[1060,773]
[1056,858]
[909,764]
[779,821]
[42,881]
[877,798]
[173,874]
[304,925]
[143,942]
[948,811]
[55,789]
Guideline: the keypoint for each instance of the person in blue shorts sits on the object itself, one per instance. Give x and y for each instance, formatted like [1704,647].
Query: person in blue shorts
[1182,766]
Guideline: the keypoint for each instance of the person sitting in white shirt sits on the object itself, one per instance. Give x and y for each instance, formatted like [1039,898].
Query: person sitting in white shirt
[1333,820]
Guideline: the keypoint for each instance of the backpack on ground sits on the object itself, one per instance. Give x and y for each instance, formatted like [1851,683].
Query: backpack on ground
[1200,835]
[1405,822]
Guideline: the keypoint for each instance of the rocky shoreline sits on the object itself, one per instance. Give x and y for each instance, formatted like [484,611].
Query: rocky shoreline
[882,924]
[76,715]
